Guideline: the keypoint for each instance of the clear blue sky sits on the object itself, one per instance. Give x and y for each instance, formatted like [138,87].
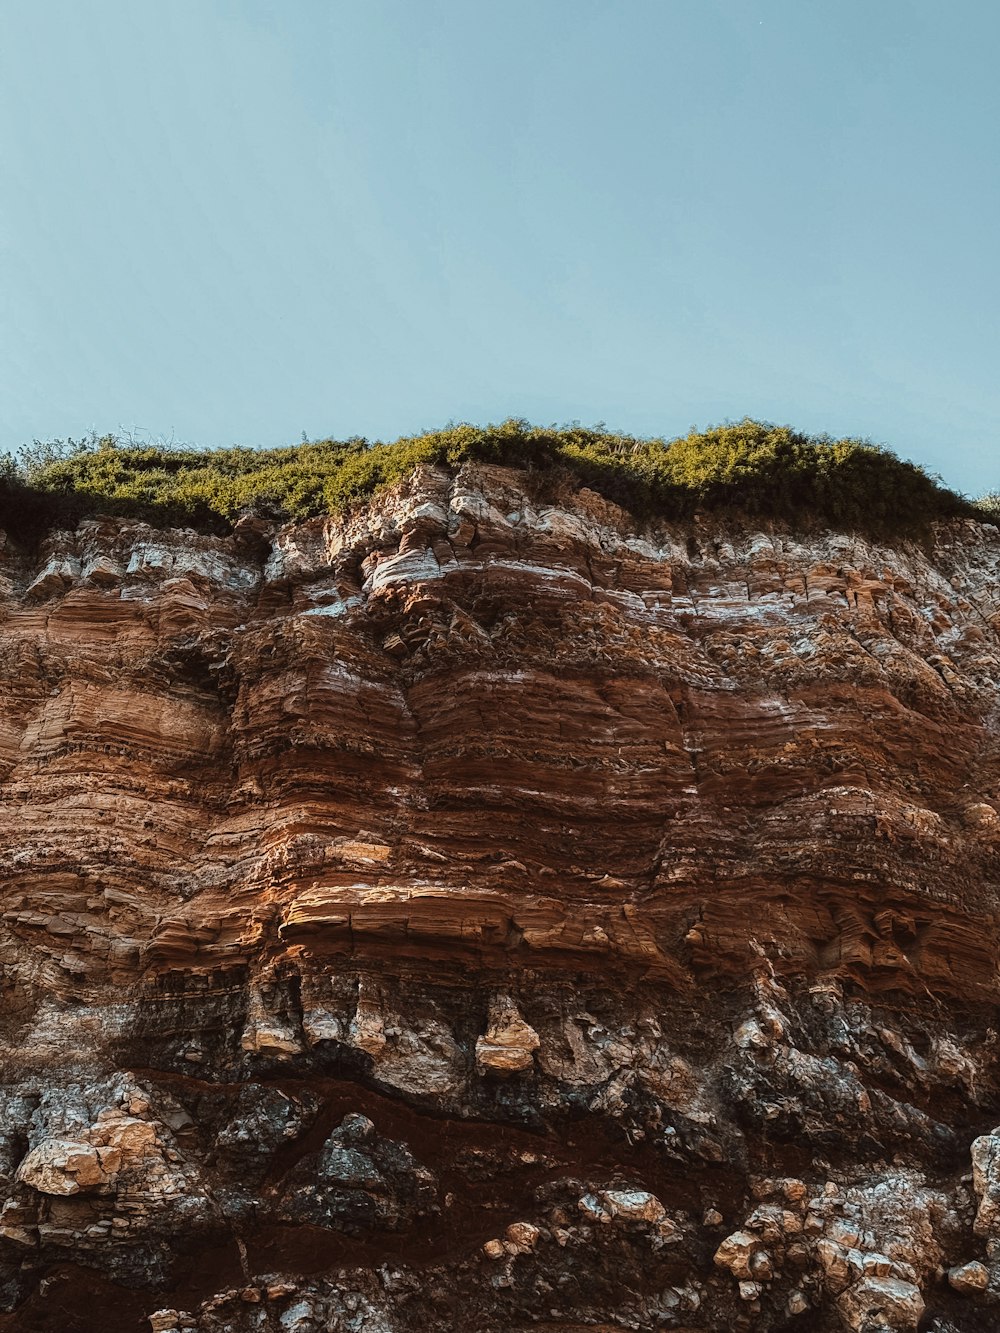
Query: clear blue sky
[237,220]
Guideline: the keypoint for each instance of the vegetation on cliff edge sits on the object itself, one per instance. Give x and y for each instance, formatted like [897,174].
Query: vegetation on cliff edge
[763,470]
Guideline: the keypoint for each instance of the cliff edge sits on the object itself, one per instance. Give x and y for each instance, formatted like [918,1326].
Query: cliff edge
[474,913]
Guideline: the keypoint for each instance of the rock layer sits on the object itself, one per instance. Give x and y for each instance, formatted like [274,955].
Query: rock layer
[483,911]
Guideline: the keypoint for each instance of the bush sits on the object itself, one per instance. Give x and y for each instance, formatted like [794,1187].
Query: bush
[758,469]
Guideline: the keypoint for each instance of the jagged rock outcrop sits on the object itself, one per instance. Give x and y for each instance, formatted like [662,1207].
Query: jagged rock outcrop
[484,911]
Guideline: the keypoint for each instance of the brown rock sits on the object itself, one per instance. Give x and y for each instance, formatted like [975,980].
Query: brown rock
[543,851]
[970,1277]
[509,1043]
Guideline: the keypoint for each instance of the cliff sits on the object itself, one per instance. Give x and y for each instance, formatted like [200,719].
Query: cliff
[474,913]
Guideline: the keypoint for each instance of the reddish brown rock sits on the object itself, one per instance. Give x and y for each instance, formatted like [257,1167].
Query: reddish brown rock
[578,860]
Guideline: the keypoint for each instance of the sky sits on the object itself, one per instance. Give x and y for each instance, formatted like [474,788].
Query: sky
[242,221]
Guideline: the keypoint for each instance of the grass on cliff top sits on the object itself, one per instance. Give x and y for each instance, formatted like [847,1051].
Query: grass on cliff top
[761,470]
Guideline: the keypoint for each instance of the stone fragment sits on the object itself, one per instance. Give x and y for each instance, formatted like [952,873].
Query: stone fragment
[54,578]
[761,1266]
[62,1166]
[509,1043]
[735,1252]
[103,571]
[163,1321]
[636,1205]
[969,1277]
[594,1209]
[881,1302]
[523,1235]
[835,1263]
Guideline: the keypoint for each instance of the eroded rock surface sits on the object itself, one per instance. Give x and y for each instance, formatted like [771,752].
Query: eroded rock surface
[482,912]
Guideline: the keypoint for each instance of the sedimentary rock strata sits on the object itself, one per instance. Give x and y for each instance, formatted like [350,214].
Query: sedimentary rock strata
[486,911]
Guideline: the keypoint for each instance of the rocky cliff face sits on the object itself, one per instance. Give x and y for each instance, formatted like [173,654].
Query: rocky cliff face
[483,914]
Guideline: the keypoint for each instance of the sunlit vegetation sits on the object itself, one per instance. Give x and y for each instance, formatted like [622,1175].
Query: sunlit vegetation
[751,468]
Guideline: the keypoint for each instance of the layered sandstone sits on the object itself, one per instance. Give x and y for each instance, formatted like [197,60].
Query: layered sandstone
[486,912]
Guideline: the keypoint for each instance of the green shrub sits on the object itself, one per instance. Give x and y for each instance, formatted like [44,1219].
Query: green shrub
[760,470]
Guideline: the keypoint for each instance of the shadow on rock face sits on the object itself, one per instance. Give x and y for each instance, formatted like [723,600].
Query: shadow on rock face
[359,1182]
